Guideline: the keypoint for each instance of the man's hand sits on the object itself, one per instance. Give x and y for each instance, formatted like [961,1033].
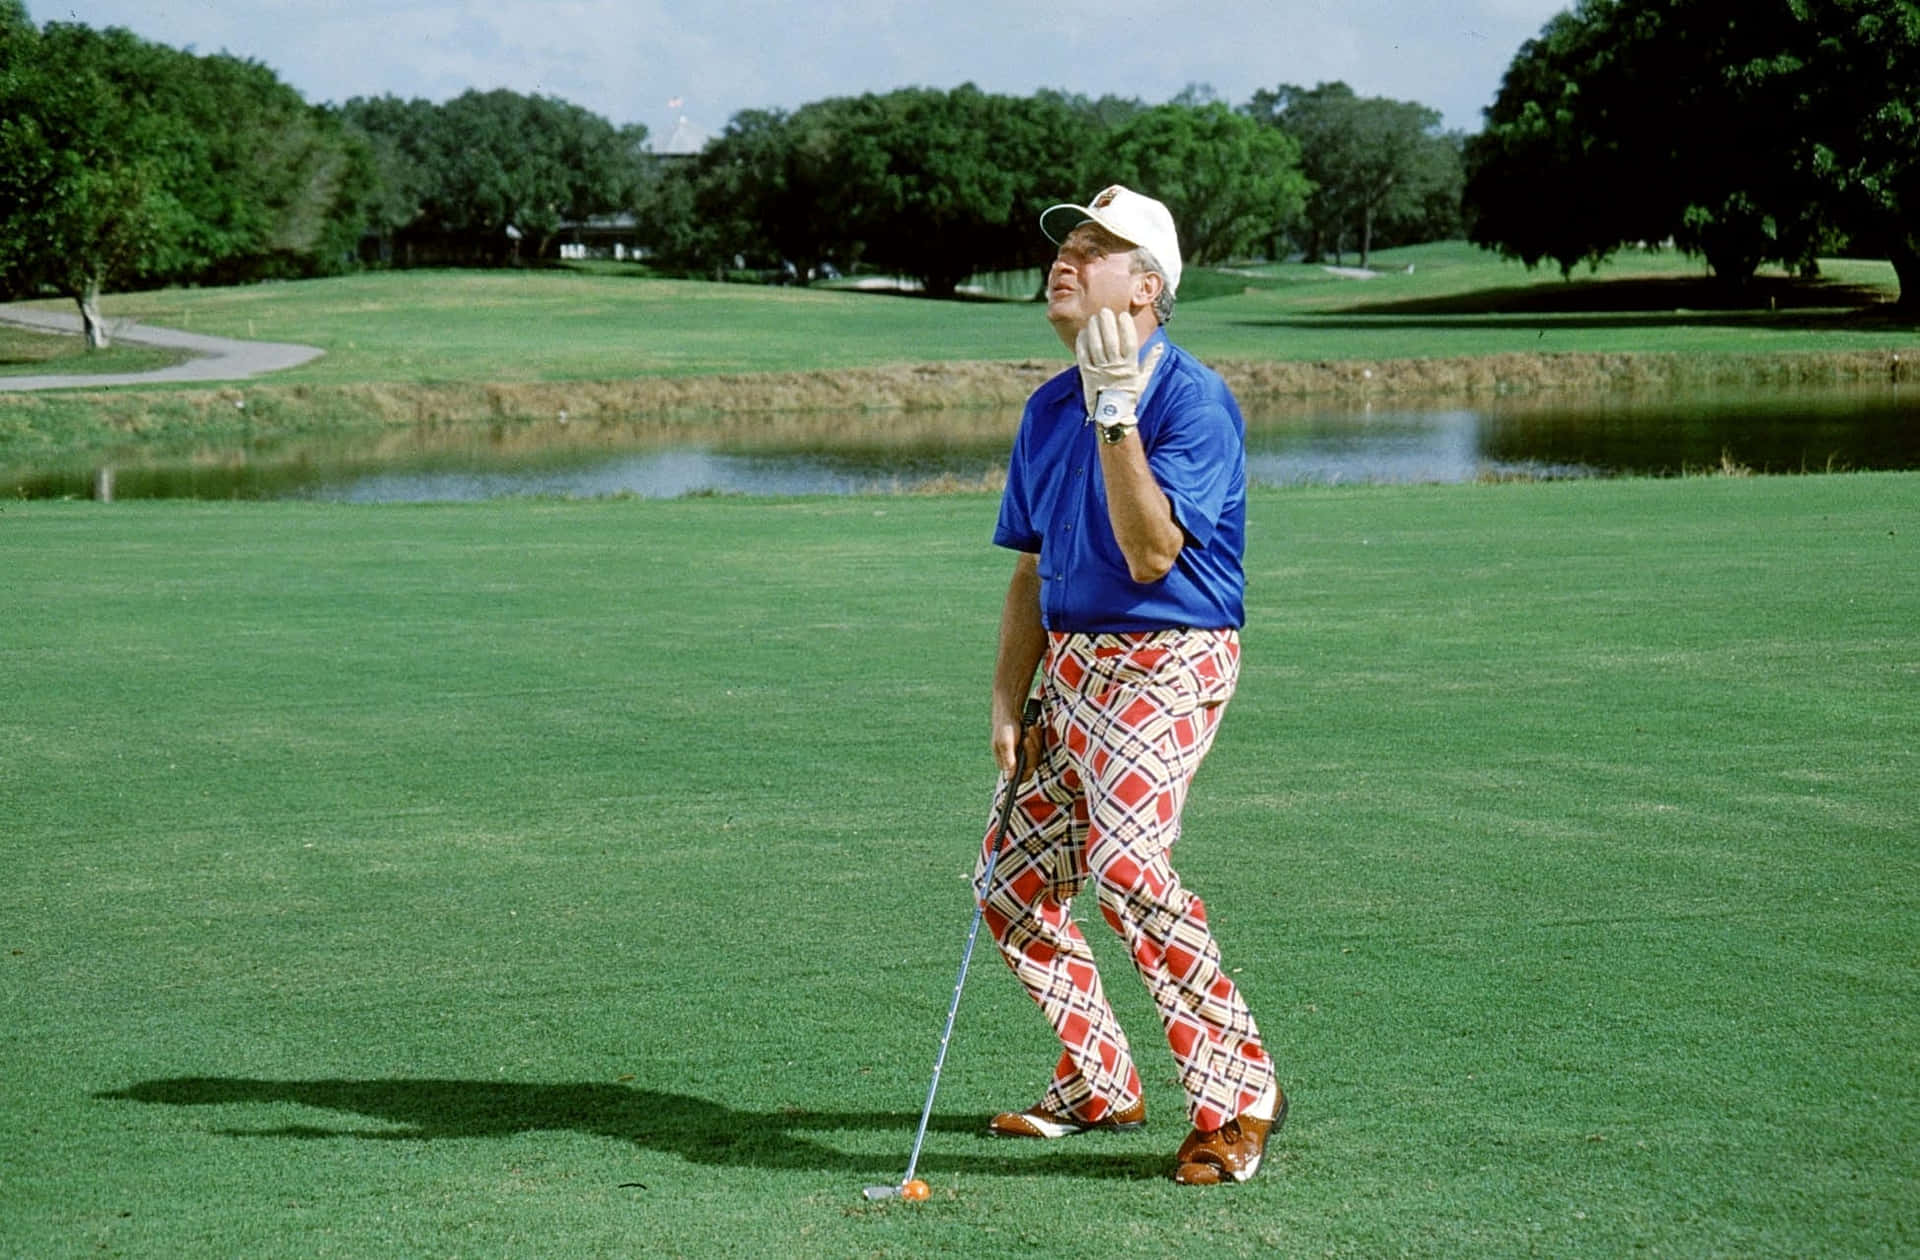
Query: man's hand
[1006,737]
[1107,351]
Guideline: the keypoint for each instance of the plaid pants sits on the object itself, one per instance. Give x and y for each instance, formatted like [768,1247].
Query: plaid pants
[1129,718]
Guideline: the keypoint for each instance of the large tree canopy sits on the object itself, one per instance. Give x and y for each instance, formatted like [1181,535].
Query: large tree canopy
[1864,86]
[943,184]
[1231,183]
[124,162]
[1747,131]
[930,184]
[940,185]
[487,169]
[1377,166]
[82,184]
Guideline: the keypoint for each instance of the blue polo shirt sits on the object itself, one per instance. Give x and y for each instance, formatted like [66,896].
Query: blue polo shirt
[1055,504]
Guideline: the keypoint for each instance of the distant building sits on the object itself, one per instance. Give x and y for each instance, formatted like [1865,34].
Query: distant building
[686,141]
[614,236]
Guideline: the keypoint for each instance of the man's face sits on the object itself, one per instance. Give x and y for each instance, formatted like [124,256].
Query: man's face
[1092,271]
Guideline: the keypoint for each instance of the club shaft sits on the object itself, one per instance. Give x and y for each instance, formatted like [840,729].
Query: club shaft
[973,934]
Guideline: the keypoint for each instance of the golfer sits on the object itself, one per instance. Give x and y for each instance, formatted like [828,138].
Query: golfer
[1126,504]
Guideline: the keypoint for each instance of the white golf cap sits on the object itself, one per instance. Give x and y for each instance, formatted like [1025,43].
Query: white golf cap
[1133,217]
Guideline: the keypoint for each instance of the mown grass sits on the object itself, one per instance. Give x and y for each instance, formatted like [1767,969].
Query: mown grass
[24,352]
[587,879]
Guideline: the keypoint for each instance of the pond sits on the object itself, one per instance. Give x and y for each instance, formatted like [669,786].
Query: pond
[1532,437]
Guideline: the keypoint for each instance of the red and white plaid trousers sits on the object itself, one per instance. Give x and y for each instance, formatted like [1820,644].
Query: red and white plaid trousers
[1128,717]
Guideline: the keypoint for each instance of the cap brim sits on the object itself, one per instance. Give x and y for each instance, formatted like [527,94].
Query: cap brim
[1058,221]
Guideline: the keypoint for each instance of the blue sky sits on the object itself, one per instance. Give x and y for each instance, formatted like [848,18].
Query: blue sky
[631,60]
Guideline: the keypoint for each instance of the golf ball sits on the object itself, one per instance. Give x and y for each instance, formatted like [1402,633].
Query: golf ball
[915,1189]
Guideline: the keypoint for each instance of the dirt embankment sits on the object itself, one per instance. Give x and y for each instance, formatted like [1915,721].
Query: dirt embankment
[928,387]
[939,386]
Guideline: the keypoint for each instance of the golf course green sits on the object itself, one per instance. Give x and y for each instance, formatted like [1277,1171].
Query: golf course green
[586,878]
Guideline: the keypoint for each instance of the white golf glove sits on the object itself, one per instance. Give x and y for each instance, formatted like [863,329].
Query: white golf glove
[1111,373]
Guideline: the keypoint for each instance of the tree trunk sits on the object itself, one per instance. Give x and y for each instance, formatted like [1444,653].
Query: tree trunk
[1733,265]
[90,321]
[1906,265]
[1366,236]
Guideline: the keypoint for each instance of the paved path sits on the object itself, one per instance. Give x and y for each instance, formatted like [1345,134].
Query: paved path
[219,358]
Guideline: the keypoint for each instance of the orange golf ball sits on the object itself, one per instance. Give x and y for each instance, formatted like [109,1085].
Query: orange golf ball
[915,1190]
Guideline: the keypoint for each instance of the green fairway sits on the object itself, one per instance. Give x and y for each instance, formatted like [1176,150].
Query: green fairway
[509,326]
[587,879]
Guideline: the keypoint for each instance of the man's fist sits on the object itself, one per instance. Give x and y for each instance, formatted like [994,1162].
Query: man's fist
[1107,351]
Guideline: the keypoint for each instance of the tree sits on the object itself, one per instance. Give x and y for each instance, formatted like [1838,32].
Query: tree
[1375,163]
[128,163]
[279,188]
[1101,115]
[1231,183]
[395,136]
[664,207]
[1538,185]
[1864,142]
[751,197]
[1746,131]
[938,185]
[84,199]
[930,184]
[487,165]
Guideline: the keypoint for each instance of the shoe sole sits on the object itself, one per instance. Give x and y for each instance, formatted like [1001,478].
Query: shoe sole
[1064,1130]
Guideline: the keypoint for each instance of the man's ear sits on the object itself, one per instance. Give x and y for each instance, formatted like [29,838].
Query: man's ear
[1146,287]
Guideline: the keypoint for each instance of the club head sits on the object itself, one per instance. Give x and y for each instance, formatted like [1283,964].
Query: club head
[876,1193]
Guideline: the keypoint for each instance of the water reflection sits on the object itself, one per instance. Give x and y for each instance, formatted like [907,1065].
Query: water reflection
[676,472]
[1555,436]
[1399,447]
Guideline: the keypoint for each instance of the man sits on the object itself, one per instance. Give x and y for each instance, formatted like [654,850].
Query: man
[1126,501]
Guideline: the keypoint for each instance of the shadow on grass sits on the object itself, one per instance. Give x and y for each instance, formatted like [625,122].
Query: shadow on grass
[1770,300]
[695,1129]
[1373,319]
[1646,293]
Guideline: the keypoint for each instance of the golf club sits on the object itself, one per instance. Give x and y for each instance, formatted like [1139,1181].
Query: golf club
[908,1188]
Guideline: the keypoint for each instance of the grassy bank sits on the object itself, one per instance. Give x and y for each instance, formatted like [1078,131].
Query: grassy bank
[587,879]
[460,348]
[957,399]
[26,352]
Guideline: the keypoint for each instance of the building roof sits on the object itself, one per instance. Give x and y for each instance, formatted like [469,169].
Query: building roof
[686,141]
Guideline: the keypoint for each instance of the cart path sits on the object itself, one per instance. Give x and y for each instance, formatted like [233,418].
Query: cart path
[217,358]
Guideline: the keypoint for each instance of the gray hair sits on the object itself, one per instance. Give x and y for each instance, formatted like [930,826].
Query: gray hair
[1145,262]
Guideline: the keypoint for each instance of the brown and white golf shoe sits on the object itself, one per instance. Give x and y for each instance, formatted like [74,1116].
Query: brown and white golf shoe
[1039,1122]
[1233,1151]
